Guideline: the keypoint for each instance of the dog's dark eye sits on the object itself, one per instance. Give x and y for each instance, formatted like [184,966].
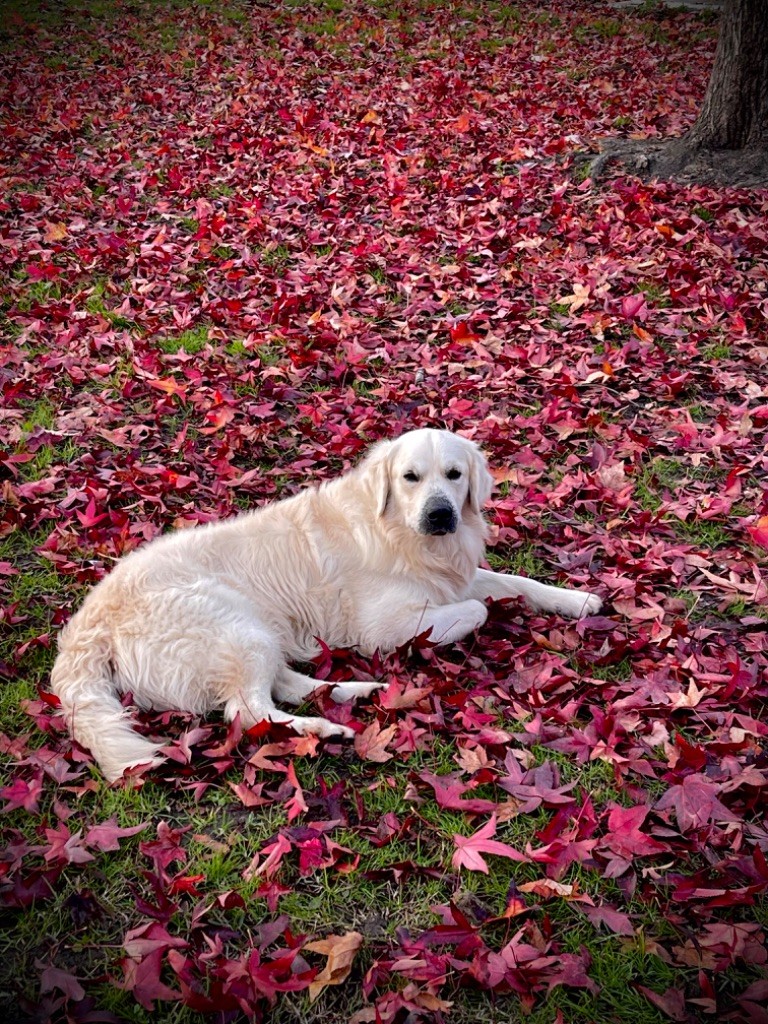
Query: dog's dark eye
[453,474]
[411,477]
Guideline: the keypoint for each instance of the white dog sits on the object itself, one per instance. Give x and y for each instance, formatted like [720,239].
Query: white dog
[209,618]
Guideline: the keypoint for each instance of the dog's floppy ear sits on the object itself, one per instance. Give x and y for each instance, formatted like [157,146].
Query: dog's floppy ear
[376,470]
[480,480]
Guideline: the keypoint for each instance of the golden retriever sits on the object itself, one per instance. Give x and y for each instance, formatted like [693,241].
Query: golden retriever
[210,618]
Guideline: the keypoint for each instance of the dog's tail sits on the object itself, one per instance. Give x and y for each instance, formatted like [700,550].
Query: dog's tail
[82,680]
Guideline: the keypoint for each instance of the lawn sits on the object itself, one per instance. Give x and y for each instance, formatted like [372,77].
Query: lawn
[241,241]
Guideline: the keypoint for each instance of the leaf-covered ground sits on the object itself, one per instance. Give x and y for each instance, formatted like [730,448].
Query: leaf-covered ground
[241,241]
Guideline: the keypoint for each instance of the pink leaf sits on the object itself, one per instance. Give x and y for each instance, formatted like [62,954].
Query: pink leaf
[469,850]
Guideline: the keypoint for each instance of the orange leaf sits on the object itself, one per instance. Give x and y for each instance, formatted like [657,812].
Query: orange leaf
[463,123]
[759,532]
[55,232]
[641,334]
[169,386]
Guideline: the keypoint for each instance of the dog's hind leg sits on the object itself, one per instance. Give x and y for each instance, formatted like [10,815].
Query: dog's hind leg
[252,698]
[294,688]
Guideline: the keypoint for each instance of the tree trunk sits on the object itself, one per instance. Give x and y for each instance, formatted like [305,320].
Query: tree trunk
[735,110]
[728,144]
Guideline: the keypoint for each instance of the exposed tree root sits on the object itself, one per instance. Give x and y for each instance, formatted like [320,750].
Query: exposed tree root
[675,160]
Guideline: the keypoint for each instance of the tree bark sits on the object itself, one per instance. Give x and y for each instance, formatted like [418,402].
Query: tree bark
[728,143]
[734,114]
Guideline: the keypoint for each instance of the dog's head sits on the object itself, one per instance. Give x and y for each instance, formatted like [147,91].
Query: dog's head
[430,479]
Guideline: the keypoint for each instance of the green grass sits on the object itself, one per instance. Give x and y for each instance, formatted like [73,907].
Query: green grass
[278,257]
[493,45]
[601,28]
[615,672]
[665,477]
[716,351]
[694,612]
[38,590]
[505,12]
[236,348]
[47,456]
[221,191]
[191,341]
[655,294]
[42,414]
[662,476]
[654,32]
[706,534]
[38,293]
[96,303]
[522,560]
[704,214]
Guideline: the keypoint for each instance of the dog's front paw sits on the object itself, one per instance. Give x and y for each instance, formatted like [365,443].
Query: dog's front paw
[475,615]
[351,691]
[577,604]
[592,605]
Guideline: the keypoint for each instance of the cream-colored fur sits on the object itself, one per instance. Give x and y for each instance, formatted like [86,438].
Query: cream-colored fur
[210,618]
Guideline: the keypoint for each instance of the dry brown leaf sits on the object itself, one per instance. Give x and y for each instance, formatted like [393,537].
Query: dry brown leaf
[341,951]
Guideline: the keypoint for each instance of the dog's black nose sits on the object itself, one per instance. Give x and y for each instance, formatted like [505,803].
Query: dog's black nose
[439,519]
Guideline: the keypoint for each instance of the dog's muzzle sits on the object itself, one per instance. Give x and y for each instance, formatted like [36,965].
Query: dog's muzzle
[438,518]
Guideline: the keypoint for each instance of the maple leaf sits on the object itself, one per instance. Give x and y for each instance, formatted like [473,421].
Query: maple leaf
[249,796]
[55,978]
[142,978]
[469,850]
[695,803]
[185,883]
[671,1002]
[578,298]
[91,517]
[55,232]
[449,790]
[23,793]
[371,744]
[106,836]
[624,837]
[167,847]
[690,699]
[617,921]
[341,951]
[66,847]
[275,852]
[462,332]
[401,694]
[296,804]
[539,785]
[634,306]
